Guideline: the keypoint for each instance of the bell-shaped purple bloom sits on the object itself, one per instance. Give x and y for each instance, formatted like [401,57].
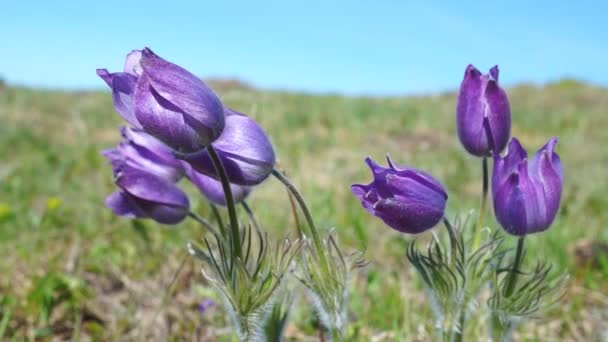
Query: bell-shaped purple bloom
[146,171]
[141,151]
[243,147]
[213,190]
[483,113]
[144,195]
[408,200]
[166,100]
[176,106]
[526,193]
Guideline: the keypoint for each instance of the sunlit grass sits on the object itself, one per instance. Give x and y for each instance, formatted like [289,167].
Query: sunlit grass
[71,267]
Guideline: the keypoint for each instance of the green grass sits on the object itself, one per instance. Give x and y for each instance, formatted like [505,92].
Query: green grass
[70,268]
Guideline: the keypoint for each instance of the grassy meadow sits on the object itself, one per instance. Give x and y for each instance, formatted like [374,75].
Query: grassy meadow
[71,270]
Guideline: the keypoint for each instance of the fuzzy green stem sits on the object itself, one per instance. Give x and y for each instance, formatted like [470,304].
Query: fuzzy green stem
[234,222]
[484,201]
[203,222]
[512,277]
[313,229]
[251,215]
[456,332]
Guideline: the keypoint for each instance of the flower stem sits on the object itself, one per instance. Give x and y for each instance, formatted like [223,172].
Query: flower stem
[252,217]
[484,201]
[512,277]
[234,222]
[203,222]
[313,229]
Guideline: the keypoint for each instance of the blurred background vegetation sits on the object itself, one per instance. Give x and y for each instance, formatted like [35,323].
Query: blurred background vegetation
[70,269]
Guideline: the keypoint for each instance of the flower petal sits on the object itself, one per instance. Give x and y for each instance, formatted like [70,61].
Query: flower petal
[213,190]
[185,91]
[120,203]
[165,121]
[122,85]
[245,151]
[151,188]
[132,63]
[407,217]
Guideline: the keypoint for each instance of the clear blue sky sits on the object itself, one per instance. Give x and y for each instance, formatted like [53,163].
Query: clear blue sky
[352,47]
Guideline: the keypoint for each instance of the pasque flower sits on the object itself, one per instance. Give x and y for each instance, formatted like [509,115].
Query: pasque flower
[243,147]
[142,151]
[167,101]
[146,171]
[212,189]
[482,102]
[526,193]
[408,200]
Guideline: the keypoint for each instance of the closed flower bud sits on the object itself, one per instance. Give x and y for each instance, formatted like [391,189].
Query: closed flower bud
[142,151]
[167,101]
[243,147]
[483,113]
[212,189]
[143,195]
[408,200]
[146,171]
[526,193]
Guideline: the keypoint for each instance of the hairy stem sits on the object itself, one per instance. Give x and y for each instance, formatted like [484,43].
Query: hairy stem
[234,223]
[296,194]
[512,277]
[203,222]
[484,201]
[252,217]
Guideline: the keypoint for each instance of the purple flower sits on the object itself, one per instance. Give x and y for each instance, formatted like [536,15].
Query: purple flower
[483,109]
[527,194]
[144,195]
[213,190]
[408,200]
[167,101]
[146,171]
[142,151]
[243,147]
[206,304]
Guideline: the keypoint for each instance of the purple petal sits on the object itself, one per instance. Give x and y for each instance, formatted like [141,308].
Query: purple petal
[494,72]
[498,112]
[504,166]
[510,206]
[122,85]
[165,121]
[120,203]
[407,217]
[421,177]
[469,111]
[245,151]
[213,190]
[105,76]
[132,63]
[548,173]
[151,188]
[410,189]
[186,92]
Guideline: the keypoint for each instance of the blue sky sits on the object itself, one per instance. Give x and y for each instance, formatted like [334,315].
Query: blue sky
[351,47]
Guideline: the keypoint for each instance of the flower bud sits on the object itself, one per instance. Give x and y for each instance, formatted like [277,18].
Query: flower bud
[527,194]
[143,195]
[145,170]
[243,147]
[482,99]
[167,101]
[408,200]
